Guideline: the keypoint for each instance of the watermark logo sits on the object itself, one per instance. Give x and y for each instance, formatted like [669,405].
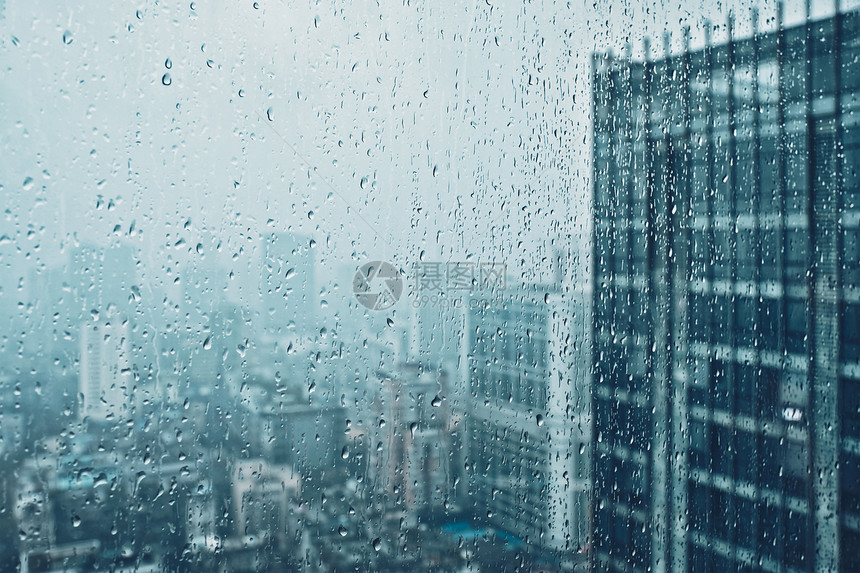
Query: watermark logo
[377,285]
[459,276]
[456,284]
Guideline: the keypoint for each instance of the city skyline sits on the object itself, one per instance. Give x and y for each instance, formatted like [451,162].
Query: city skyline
[164,209]
[471,288]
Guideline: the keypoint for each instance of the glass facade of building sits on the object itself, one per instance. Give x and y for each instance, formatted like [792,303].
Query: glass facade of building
[727,304]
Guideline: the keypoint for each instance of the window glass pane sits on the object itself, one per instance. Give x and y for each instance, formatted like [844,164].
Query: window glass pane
[452,286]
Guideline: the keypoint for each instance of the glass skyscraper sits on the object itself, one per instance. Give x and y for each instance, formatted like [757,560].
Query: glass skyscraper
[727,304]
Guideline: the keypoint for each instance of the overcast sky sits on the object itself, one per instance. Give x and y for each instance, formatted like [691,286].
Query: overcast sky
[387,130]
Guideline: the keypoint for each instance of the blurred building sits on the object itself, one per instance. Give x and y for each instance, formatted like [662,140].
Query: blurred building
[436,331]
[87,501]
[105,370]
[411,462]
[204,293]
[69,501]
[263,497]
[287,285]
[209,326]
[289,430]
[12,426]
[100,296]
[726,304]
[527,417]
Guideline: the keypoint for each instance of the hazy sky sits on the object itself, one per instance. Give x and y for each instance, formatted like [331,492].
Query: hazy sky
[384,129]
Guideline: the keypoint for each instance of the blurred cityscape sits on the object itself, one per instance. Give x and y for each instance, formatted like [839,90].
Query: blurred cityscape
[683,397]
[138,438]
[146,434]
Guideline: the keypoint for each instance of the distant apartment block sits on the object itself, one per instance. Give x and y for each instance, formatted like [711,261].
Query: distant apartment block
[105,370]
[412,462]
[527,368]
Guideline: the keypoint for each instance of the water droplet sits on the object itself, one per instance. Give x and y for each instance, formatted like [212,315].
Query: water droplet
[539,420]
[270,113]
[377,544]
[207,344]
[28,183]
[166,80]
[168,64]
[436,402]
[67,38]
[76,521]
[342,530]
[345,453]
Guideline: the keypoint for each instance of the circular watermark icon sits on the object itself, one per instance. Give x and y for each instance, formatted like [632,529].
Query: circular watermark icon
[377,285]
